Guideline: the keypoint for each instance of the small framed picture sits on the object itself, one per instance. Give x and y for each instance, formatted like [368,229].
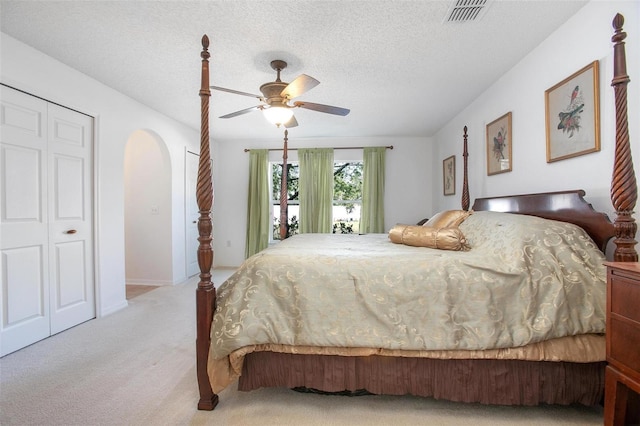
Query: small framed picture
[573,115]
[449,175]
[499,139]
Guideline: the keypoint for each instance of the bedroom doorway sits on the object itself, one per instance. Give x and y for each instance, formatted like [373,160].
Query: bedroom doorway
[191,213]
[148,210]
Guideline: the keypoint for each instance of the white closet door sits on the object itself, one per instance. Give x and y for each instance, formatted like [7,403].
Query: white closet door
[70,218]
[46,219]
[24,301]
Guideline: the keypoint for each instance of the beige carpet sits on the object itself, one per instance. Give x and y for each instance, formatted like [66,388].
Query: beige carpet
[136,367]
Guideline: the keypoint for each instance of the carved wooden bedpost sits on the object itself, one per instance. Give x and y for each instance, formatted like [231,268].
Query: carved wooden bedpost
[623,183]
[465,177]
[284,193]
[206,292]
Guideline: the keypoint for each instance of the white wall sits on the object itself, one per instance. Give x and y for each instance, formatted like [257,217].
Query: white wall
[407,188]
[117,118]
[581,40]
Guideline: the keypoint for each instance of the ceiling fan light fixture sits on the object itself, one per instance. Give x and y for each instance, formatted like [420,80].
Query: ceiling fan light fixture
[276,96]
[278,115]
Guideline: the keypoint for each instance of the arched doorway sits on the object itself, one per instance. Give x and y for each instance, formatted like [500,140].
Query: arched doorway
[148,210]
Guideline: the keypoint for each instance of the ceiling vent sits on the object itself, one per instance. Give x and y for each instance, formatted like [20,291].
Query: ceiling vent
[466,10]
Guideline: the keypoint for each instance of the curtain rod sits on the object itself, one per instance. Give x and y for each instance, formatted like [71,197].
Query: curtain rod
[339,147]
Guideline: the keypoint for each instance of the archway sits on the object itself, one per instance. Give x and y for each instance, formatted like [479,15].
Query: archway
[148,210]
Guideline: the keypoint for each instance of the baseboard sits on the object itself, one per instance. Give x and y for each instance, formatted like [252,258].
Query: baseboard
[113,308]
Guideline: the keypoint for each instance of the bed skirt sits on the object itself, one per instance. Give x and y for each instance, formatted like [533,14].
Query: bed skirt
[486,381]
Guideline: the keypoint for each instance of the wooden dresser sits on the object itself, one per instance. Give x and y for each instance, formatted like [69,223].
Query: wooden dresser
[622,383]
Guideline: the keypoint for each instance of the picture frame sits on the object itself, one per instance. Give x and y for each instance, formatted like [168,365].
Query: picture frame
[449,175]
[572,110]
[499,143]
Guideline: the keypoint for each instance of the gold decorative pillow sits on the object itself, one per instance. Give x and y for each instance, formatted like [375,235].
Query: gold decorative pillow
[423,236]
[448,219]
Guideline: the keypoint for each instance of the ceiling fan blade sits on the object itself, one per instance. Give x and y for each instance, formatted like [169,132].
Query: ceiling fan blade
[297,87]
[292,122]
[237,92]
[322,108]
[242,111]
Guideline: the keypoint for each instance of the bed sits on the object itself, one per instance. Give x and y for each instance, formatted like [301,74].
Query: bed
[445,350]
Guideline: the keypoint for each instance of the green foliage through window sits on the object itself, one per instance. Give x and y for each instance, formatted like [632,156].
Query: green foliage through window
[293,175]
[347,183]
[347,192]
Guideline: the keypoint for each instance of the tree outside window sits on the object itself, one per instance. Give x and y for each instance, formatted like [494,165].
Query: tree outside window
[347,193]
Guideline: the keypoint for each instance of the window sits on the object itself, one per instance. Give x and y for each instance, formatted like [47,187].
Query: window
[347,197]
[293,202]
[347,194]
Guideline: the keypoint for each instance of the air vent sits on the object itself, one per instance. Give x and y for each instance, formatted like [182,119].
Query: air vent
[466,10]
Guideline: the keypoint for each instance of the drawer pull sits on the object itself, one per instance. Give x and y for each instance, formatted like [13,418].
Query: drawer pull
[70,231]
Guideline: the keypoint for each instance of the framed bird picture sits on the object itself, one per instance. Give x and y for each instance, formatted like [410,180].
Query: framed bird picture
[449,175]
[573,115]
[499,139]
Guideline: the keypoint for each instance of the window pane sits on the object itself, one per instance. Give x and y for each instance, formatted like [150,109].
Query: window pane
[293,212]
[292,180]
[346,221]
[347,197]
[347,178]
[293,201]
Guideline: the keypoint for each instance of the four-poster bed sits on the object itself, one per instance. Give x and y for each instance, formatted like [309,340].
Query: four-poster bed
[530,374]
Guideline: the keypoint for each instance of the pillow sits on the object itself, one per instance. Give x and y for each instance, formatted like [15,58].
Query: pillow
[424,236]
[448,219]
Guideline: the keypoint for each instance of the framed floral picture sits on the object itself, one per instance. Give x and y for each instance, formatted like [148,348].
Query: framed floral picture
[573,115]
[499,140]
[449,175]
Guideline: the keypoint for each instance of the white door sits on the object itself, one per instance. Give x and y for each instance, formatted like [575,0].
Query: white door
[24,306]
[72,298]
[45,221]
[192,215]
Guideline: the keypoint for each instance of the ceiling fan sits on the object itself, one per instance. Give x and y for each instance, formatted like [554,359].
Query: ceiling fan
[276,97]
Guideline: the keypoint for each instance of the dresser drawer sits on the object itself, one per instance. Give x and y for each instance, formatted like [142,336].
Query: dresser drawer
[625,343]
[625,295]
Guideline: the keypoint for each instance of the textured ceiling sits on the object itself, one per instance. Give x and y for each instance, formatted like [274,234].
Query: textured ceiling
[396,64]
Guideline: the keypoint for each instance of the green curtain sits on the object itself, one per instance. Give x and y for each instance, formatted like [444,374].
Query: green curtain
[372,211]
[257,203]
[316,190]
